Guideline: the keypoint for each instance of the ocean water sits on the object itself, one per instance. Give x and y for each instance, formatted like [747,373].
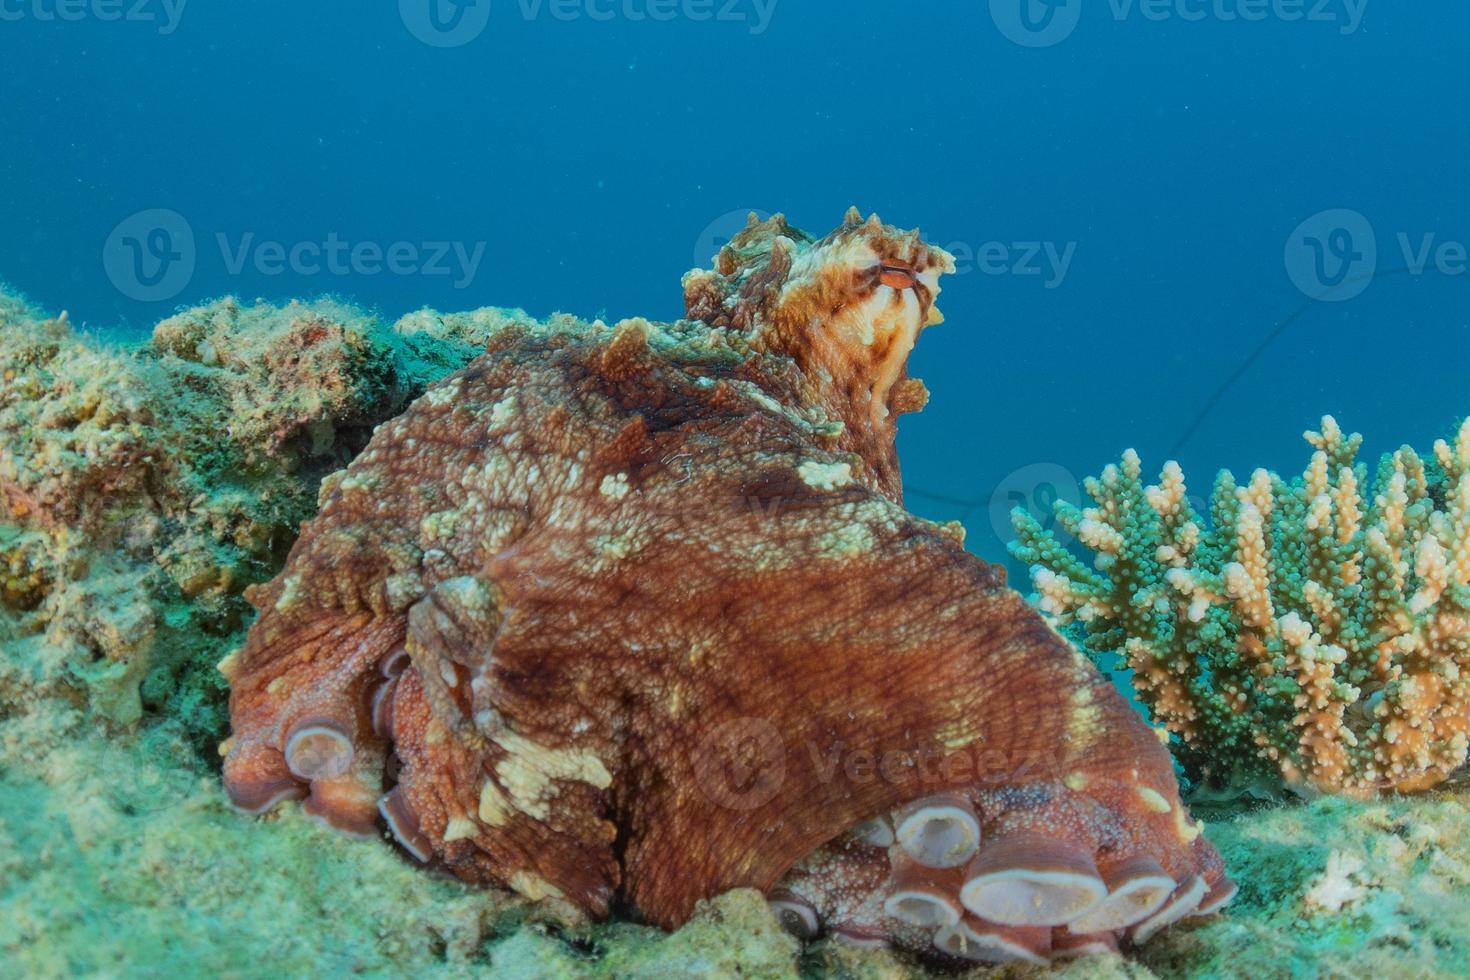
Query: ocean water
[1187,226]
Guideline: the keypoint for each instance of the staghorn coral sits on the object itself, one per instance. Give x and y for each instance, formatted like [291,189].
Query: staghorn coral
[142,490]
[1317,632]
[636,612]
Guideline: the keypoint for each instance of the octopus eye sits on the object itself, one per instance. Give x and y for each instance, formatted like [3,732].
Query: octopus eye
[898,275]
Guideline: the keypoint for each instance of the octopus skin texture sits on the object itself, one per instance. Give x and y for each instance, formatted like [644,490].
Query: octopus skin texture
[634,615]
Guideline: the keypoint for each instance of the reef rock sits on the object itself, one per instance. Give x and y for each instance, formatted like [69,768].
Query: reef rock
[141,490]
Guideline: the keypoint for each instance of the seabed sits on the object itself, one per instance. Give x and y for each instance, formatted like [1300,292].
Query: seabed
[119,856]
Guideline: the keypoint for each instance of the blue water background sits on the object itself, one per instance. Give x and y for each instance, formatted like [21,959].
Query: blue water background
[592,156]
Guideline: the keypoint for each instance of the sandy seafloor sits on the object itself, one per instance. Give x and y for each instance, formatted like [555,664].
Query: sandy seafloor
[146,487]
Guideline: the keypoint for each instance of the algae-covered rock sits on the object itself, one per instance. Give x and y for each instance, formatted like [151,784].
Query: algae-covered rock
[469,332]
[734,935]
[141,490]
[15,309]
[1338,888]
[288,382]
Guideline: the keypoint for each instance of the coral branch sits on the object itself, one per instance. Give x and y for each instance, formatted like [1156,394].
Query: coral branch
[1312,631]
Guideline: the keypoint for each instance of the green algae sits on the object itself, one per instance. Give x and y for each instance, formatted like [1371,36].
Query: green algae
[141,491]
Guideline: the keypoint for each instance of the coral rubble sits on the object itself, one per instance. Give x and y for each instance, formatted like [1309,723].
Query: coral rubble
[1316,632]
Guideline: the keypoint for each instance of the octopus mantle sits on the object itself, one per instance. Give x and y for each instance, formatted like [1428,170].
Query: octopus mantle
[637,613]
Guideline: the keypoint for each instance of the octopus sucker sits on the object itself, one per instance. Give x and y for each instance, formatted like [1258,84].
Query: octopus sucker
[403,827]
[394,663]
[1183,902]
[318,748]
[1066,945]
[1220,895]
[860,937]
[382,707]
[1032,880]
[924,896]
[988,942]
[636,614]
[795,914]
[1137,888]
[877,832]
[938,832]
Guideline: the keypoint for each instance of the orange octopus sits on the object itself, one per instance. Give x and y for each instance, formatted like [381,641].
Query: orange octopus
[636,614]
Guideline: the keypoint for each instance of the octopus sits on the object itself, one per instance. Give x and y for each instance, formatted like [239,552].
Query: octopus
[624,617]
